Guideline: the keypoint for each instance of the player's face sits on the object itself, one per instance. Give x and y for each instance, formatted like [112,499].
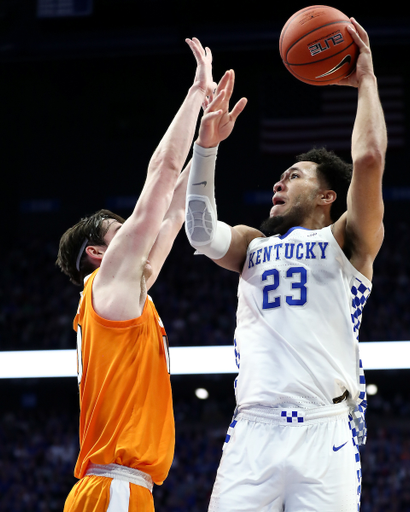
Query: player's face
[297,186]
[294,198]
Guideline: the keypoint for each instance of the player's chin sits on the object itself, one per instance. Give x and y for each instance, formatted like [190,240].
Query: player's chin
[276,211]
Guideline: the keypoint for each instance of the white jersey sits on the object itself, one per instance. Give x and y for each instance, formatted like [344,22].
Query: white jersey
[300,302]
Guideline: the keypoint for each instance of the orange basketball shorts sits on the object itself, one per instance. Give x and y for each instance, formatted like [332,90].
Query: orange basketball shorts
[101,494]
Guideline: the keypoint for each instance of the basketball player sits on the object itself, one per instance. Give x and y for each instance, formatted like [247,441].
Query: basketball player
[293,443]
[126,416]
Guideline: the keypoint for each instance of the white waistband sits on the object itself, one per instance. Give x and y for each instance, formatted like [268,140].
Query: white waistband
[291,416]
[118,472]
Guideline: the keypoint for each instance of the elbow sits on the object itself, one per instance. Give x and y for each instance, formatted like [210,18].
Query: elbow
[371,159]
[176,219]
[165,160]
[369,150]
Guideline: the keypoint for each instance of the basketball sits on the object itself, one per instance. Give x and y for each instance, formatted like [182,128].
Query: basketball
[316,46]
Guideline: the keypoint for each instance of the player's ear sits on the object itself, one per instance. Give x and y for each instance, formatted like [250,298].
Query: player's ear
[95,252]
[328,196]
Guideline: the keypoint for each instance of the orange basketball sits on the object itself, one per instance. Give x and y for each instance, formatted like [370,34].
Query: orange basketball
[316,46]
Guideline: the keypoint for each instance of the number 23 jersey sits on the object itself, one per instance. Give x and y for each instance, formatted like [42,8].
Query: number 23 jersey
[300,302]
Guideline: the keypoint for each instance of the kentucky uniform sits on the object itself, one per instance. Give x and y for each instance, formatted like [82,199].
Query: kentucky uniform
[300,389]
[126,418]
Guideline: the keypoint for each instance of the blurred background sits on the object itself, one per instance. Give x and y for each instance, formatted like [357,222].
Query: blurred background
[87,88]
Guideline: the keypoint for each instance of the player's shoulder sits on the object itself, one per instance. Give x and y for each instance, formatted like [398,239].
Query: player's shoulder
[248,233]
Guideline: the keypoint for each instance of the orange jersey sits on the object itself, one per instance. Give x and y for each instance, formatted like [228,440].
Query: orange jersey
[126,414]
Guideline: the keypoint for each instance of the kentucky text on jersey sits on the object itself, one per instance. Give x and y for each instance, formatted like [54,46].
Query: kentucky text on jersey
[286,250]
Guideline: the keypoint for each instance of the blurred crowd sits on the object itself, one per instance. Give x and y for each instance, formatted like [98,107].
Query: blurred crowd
[195,298]
[197,302]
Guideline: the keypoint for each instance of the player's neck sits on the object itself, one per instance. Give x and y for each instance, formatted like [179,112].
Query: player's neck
[317,220]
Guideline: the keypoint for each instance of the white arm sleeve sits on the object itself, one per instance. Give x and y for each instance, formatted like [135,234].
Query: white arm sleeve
[208,235]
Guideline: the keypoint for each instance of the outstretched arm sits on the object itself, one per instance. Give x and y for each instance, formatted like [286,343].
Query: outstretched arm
[119,289]
[361,229]
[225,245]
[170,227]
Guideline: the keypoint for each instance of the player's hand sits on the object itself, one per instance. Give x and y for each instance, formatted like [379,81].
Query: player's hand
[217,122]
[203,76]
[364,65]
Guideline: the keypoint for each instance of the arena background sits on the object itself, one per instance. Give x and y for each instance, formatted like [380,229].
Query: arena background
[87,88]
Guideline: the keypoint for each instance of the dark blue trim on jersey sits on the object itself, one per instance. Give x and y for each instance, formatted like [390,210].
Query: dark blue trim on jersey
[292,229]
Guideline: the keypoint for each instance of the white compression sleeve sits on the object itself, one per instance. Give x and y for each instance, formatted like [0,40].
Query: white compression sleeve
[208,235]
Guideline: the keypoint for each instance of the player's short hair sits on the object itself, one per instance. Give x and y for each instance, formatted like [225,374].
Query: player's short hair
[335,172]
[72,258]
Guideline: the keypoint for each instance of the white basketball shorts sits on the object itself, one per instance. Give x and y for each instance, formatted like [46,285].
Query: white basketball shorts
[292,460]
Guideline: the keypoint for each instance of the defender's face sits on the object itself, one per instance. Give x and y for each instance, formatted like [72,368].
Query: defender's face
[297,188]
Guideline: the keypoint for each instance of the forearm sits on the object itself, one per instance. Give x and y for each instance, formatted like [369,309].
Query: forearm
[170,227]
[365,209]
[173,149]
[369,138]
[164,169]
[205,233]
[176,210]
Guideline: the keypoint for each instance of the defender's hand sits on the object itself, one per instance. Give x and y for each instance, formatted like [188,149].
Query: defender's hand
[203,76]
[217,122]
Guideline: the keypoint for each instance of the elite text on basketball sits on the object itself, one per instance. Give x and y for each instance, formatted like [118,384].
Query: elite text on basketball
[325,44]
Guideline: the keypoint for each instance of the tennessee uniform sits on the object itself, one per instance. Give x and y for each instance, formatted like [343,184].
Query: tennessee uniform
[127,432]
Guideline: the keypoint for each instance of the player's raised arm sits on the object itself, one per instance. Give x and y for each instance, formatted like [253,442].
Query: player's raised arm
[220,242]
[172,223]
[360,230]
[125,260]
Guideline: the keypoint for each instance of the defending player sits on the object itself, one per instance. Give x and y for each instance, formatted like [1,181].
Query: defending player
[126,416]
[300,390]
